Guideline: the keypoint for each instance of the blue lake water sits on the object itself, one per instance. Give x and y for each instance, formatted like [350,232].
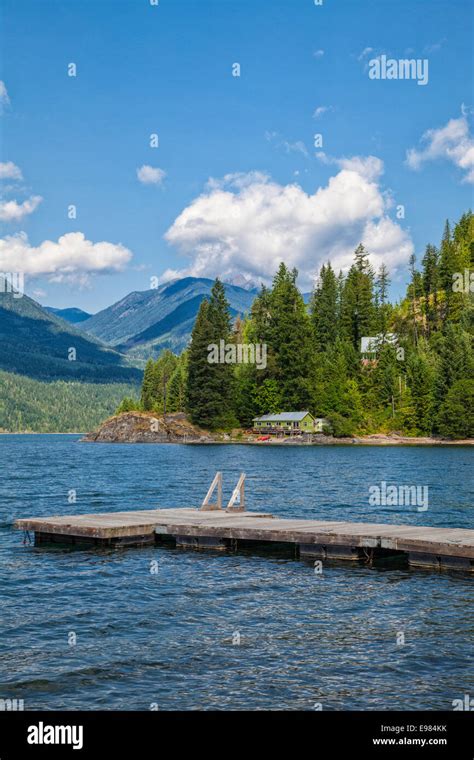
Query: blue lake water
[166,639]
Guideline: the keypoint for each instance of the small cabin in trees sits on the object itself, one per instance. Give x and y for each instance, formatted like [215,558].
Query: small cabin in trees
[290,423]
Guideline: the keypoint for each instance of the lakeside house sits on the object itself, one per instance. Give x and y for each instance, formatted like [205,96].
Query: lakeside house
[291,423]
[369,345]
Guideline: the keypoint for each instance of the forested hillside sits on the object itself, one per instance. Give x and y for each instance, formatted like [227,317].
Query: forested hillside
[65,407]
[54,378]
[72,315]
[42,346]
[419,380]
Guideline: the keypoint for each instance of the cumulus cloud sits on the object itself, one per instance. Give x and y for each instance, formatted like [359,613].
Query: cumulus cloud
[369,167]
[453,142]
[71,258]
[12,211]
[318,53]
[249,228]
[4,99]
[9,170]
[150,175]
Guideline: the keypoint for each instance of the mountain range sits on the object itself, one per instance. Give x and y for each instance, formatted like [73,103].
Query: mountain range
[144,323]
[111,345]
[42,346]
[46,387]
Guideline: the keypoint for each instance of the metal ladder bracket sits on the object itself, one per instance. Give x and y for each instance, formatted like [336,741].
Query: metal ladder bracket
[206,505]
[238,495]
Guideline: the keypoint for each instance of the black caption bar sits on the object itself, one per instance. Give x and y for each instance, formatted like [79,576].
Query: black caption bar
[133,734]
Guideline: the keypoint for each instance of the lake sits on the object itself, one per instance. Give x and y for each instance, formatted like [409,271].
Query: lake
[167,640]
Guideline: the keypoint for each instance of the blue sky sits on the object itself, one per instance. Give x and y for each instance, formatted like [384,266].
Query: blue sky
[167,69]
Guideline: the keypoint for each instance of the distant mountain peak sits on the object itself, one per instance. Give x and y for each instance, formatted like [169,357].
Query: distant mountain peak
[72,314]
[243,281]
[145,323]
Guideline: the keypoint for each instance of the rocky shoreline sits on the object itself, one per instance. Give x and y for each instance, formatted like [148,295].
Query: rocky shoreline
[146,427]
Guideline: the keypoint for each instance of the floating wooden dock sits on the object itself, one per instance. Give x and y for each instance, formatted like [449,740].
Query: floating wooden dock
[217,529]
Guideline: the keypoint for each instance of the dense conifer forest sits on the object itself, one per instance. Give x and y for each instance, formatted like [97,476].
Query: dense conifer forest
[416,379]
[28,405]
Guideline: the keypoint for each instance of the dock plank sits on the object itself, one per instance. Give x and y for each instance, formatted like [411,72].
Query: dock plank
[254,526]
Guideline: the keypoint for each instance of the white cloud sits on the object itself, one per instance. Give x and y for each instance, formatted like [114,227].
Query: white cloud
[370,54]
[321,110]
[72,258]
[9,170]
[365,52]
[237,180]
[12,211]
[295,147]
[150,175]
[453,142]
[290,147]
[248,230]
[435,46]
[318,53]
[369,167]
[4,99]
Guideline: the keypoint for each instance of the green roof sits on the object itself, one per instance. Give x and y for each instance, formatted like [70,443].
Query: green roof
[283,417]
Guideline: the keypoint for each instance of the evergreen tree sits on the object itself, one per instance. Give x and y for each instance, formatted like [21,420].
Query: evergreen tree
[260,314]
[357,308]
[202,401]
[245,389]
[219,312]
[289,339]
[386,376]
[340,293]
[406,413]
[431,282]
[177,386]
[414,294]
[223,382]
[421,376]
[268,397]
[447,260]
[456,358]
[452,260]
[456,416]
[128,405]
[382,287]
[148,386]
[210,385]
[324,308]
[164,368]
[331,381]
